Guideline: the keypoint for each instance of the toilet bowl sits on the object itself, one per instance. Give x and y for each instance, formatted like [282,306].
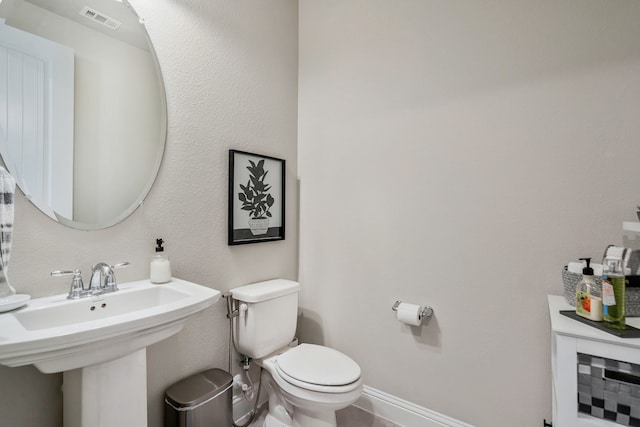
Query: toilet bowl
[307,384]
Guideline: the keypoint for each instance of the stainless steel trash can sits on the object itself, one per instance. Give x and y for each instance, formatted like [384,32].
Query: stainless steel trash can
[201,400]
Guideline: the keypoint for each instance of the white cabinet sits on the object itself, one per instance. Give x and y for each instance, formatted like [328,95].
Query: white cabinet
[569,338]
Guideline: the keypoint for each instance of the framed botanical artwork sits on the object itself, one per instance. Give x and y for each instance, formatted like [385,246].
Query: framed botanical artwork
[256,198]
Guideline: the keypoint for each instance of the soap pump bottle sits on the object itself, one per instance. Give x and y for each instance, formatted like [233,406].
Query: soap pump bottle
[160,268]
[613,294]
[588,296]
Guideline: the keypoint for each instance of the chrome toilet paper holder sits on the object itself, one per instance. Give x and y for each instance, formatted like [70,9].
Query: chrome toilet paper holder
[426,312]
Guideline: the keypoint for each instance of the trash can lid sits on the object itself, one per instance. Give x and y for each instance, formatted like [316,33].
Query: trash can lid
[198,388]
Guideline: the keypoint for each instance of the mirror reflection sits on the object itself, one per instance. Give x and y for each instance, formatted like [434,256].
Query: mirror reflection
[82,108]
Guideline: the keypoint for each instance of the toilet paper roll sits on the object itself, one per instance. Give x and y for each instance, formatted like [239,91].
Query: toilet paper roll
[411,314]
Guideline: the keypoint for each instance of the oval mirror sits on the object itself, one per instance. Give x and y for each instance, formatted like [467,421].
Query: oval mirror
[82,108]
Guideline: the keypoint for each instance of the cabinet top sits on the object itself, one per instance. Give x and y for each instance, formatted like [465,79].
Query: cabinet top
[565,326]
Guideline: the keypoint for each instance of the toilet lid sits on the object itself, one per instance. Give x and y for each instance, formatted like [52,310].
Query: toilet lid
[316,364]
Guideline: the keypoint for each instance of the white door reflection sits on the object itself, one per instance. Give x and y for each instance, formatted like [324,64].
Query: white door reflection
[36,116]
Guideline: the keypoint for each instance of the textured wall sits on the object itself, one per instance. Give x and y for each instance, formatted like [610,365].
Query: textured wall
[458,153]
[230,71]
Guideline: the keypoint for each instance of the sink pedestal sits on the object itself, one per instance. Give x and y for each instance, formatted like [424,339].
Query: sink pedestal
[110,394]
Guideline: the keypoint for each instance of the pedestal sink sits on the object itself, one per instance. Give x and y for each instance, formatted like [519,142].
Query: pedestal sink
[100,345]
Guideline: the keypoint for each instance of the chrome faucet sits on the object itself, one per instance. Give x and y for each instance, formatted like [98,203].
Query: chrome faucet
[102,280]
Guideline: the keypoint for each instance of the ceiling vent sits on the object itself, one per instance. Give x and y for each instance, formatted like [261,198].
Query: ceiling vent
[100,18]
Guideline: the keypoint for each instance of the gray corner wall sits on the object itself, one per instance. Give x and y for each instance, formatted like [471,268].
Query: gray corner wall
[458,154]
[230,71]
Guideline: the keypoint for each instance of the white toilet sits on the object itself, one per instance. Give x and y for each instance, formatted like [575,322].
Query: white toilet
[306,383]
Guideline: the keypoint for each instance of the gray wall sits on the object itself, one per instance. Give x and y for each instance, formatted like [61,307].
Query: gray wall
[230,71]
[451,153]
[458,153]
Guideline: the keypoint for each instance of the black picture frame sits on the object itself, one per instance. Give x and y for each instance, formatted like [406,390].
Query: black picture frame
[256,198]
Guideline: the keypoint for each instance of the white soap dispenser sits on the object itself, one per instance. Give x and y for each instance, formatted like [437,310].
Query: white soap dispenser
[588,295]
[160,268]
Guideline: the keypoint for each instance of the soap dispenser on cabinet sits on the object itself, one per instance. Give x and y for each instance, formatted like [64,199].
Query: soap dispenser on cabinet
[160,268]
[588,296]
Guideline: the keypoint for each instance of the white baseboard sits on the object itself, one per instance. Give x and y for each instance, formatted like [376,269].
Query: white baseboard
[402,412]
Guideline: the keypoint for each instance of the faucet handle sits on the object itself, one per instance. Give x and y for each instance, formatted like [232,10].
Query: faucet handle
[110,284]
[60,273]
[120,265]
[77,286]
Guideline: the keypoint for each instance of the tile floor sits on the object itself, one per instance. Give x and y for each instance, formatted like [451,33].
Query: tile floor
[348,417]
[356,417]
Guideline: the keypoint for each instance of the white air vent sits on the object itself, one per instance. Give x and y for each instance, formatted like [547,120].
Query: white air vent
[99,17]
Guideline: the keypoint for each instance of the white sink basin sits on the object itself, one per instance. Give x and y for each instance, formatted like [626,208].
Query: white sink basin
[56,334]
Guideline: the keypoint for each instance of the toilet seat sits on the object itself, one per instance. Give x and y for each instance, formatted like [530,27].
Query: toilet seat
[318,368]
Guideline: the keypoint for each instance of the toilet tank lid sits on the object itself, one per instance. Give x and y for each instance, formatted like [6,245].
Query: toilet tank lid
[263,291]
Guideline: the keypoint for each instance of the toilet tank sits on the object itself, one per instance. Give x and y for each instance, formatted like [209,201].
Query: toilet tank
[269,320]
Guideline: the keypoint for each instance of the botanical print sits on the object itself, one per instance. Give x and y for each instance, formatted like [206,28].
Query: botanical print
[256,198]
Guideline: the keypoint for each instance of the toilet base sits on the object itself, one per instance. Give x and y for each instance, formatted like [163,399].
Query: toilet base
[271,421]
[283,414]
